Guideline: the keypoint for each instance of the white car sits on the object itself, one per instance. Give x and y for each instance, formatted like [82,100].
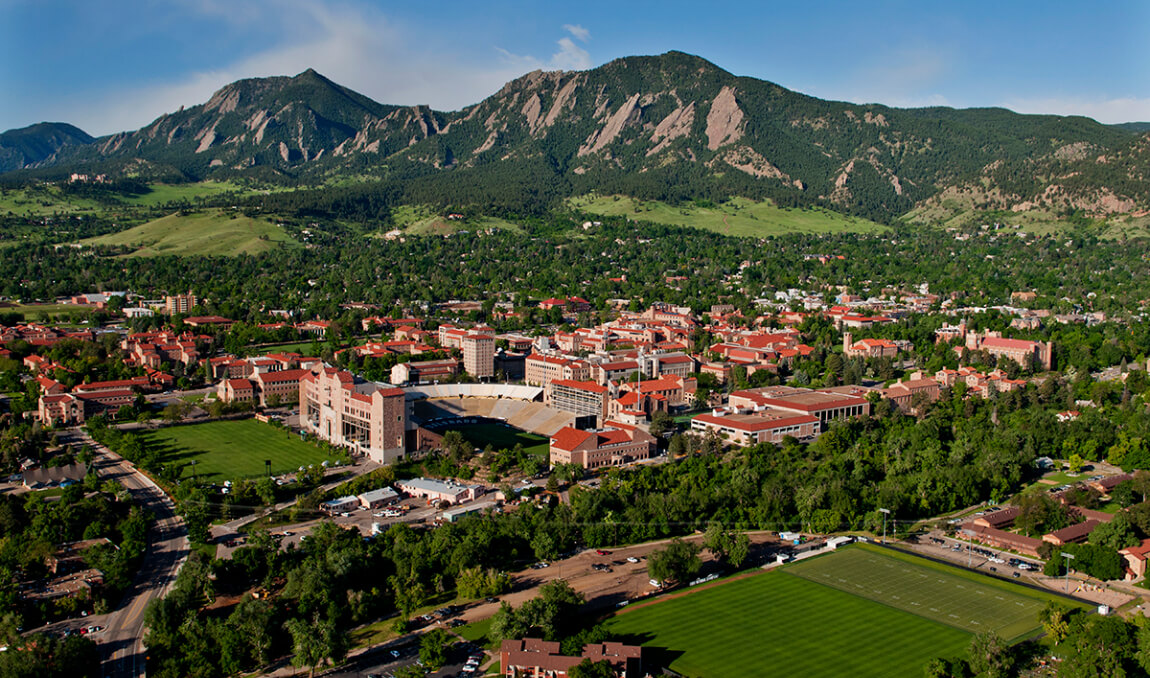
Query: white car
[632,559]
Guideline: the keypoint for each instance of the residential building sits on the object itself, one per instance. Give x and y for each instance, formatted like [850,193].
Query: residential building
[534,658]
[236,391]
[903,393]
[541,369]
[613,445]
[180,303]
[365,417]
[424,371]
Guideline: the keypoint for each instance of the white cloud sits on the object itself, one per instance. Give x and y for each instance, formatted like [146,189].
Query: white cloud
[570,57]
[360,49]
[582,34]
[1109,111]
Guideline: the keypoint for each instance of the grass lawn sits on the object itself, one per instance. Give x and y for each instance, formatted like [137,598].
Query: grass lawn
[880,613]
[228,450]
[47,311]
[504,438]
[476,631]
[210,232]
[738,216]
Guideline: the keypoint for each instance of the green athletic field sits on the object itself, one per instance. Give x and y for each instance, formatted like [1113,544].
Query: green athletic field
[876,612]
[229,450]
[503,438]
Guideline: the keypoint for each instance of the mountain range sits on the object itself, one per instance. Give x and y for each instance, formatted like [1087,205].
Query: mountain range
[645,125]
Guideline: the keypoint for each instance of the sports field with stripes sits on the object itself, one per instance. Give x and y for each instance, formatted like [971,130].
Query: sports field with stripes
[880,612]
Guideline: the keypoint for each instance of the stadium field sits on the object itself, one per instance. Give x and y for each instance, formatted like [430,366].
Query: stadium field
[852,608]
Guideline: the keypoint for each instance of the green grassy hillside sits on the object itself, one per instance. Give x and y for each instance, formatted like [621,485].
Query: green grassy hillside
[738,216]
[212,232]
[425,220]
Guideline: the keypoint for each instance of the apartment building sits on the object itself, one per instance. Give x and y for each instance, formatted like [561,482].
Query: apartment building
[476,344]
[365,417]
[180,303]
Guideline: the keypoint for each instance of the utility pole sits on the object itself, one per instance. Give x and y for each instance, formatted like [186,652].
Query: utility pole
[885,513]
[1069,557]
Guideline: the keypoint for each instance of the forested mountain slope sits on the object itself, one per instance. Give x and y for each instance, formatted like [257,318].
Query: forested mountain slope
[668,126]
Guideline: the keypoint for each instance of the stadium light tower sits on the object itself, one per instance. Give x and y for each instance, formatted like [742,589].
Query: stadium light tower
[969,547]
[1069,557]
[885,513]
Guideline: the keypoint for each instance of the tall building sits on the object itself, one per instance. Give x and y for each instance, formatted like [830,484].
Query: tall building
[479,355]
[180,303]
[477,346]
[365,417]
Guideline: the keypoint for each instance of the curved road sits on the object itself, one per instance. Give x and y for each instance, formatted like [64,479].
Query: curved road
[122,641]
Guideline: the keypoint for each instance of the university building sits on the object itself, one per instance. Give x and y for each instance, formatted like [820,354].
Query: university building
[365,417]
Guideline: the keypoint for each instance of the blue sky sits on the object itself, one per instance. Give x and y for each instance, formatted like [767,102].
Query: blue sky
[111,65]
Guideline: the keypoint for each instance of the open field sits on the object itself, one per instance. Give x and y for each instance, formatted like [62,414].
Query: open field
[35,312]
[166,193]
[423,220]
[211,232]
[881,613]
[502,437]
[41,200]
[948,595]
[228,450]
[738,216]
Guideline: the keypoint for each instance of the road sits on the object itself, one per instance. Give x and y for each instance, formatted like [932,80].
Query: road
[122,641]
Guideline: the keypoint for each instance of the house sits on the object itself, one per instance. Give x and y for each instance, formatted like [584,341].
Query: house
[1071,534]
[63,409]
[56,476]
[1136,557]
[613,445]
[534,658]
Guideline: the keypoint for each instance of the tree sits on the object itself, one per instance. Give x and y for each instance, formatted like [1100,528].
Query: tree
[433,649]
[590,669]
[1116,534]
[316,643]
[990,657]
[678,562]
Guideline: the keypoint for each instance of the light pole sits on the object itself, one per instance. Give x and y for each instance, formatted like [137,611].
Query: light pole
[1069,557]
[885,513]
[969,547]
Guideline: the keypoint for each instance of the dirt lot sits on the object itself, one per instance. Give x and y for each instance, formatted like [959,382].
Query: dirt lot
[623,581]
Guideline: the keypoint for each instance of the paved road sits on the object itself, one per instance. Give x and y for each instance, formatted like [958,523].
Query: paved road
[121,642]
